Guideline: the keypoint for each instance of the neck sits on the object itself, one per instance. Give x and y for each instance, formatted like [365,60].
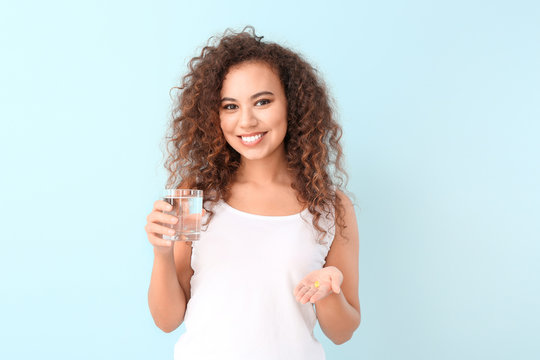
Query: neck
[270,170]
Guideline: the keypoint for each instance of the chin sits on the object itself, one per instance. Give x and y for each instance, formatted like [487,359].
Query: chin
[248,156]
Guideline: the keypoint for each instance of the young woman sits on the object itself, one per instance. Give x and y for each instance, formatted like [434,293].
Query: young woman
[254,129]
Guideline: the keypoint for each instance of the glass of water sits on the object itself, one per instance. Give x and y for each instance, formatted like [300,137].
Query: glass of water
[187,207]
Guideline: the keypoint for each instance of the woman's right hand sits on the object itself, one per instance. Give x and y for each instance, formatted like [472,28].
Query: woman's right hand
[156,226]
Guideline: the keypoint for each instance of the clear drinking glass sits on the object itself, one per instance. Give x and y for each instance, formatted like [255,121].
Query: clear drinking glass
[187,206]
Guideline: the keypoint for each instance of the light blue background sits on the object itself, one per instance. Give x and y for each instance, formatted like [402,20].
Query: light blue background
[439,103]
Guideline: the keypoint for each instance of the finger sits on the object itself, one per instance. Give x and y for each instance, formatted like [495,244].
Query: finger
[162,205]
[300,293]
[159,242]
[297,288]
[336,287]
[158,216]
[303,291]
[157,229]
[300,286]
[308,295]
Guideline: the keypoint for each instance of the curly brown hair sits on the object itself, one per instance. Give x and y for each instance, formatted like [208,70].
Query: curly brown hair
[200,157]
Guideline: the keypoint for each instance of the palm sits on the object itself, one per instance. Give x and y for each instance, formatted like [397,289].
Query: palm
[318,284]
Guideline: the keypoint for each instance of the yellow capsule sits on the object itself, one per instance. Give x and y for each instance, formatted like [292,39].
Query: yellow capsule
[317,284]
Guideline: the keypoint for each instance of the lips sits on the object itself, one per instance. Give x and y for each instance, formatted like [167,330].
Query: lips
[252,139]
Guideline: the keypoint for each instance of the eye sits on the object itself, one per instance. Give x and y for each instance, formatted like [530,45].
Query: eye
[262,102]
[230,107]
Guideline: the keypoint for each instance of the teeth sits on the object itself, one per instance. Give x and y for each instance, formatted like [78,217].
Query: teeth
[251,138]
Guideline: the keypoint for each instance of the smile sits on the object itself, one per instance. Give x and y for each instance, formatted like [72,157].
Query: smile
[252,139]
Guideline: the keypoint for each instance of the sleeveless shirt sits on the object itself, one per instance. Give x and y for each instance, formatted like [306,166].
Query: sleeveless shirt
[242,303]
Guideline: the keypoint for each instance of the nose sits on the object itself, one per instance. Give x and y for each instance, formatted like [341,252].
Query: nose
[248,120]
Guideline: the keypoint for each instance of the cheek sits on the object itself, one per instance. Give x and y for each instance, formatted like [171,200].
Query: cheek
[225,125]
[281,122]
[227,129]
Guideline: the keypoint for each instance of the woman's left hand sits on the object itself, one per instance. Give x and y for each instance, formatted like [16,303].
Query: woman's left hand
[319,284]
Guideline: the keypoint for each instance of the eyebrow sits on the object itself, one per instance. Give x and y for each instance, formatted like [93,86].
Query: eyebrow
[254,96]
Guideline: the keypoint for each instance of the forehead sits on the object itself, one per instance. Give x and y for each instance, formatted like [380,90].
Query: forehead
[250,77]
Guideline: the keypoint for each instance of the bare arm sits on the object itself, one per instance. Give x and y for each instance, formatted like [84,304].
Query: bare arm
[337,317]
[339,314]
[166,298]
[169,288]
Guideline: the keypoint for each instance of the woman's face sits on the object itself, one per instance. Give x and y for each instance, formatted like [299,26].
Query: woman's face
[253,110]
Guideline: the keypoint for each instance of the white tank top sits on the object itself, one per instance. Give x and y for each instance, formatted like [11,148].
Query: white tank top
[242,304]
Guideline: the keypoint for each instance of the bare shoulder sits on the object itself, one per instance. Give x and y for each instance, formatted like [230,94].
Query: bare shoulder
[344,252]
[350,230]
